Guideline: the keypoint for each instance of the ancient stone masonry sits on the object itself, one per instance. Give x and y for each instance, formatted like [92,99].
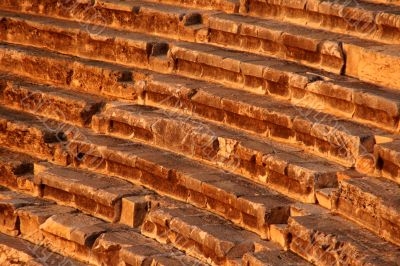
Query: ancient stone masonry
[200,132]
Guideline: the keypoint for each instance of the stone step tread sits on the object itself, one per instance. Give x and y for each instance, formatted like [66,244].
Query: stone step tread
[274,258]
[170,174]
[83,186]
[188,228]
[53,102]
[183,87]
[229,6]
[362,10]
[273,111]
[86,238]
[280,65]
[223,102]
[16,251]
[72,73]
[370,201]
[139,6]
[136,40]
[218,145]
[274,70]
[209,230]
[388,158]
[17,170]
[47,130]
[148,117]
[324,238]
[383,2]
[356,66]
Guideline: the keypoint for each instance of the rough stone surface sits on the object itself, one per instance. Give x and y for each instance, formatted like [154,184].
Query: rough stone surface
[194,132]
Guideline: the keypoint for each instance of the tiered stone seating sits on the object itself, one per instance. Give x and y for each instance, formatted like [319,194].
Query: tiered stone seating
[222,132]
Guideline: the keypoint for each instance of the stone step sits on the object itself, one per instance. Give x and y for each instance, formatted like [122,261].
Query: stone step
[370,201]
[300,85]
[384,2]
[387,157]
[320,133]
[228,6]
[257,36]
[48,101]
[280,167]
[340,140]
[70,37]
[134,16]
[205,100]
[255,73]
[207,237]
[312,47]
[326,239]
[271,257]
[95,194]
[160,218]
[361,19]
[237,199]
[38,136]
[17,171]
[334,48]
[70,73]
[80,236]
[367,19]
[16,251]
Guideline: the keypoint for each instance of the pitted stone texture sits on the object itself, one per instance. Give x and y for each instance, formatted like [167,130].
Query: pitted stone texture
[272,38]
[48,101]
[33,135]
[10,202]
[96,194]
[273,257]
[327,239]
[361,19]
[231,196]
[127,48]
[372,202]
[324,134]
[199,234]
[16,251]
[16,171]
[265,162]
[388,159]
[92,77]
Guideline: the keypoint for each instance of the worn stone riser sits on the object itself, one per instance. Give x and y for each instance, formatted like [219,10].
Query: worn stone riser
[48,102]
[179,192]
[86,157]
[358,55]
[108,213]
[198,108]
[15,250]
[209,249]
[381,226]
[333,241]
[370,202]
[269,48]
[147,24]
[339,151]
[154,23]
[360,25]
[280,86]
[211,149]
[88,252]
[165,235]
